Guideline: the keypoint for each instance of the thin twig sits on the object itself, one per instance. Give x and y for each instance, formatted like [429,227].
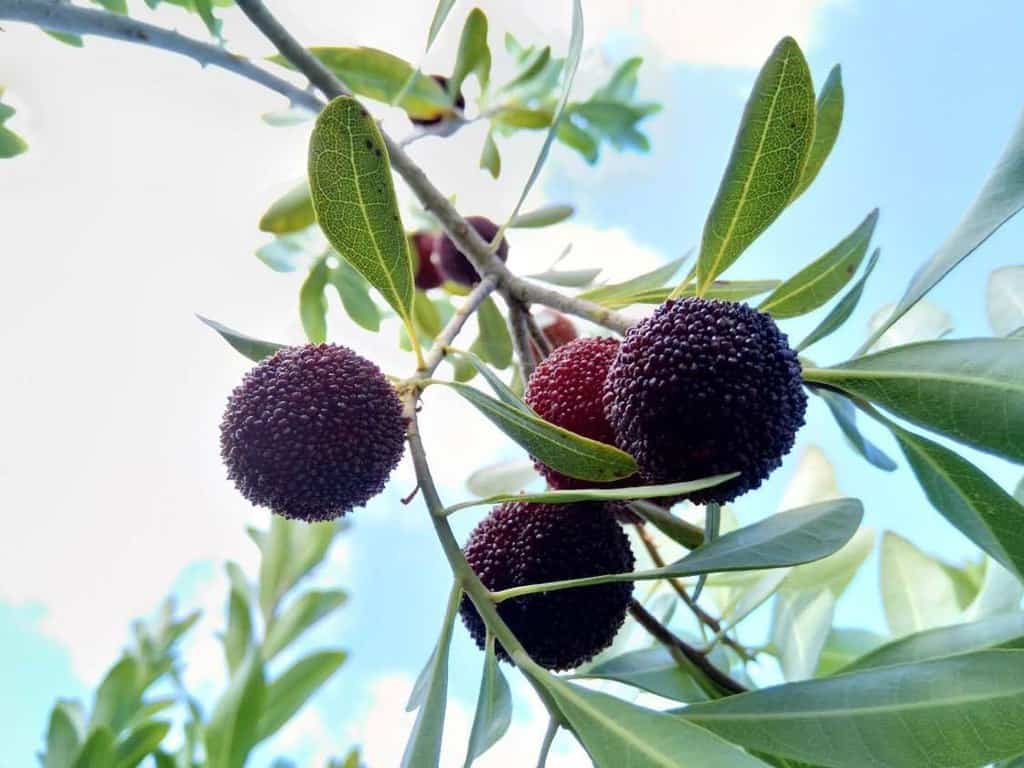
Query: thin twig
[540,339]
[549,739]
[518,326]
[447,335]
[666,637]
[703,616]
[70,19]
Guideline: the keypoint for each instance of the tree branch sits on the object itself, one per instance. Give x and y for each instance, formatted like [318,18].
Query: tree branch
[70,19]
[447,335]
[666,637]
[518,325]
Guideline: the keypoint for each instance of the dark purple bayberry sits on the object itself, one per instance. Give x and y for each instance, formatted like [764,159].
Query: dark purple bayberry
[312,432]
[706,387]
[522,543]
[427,274]
[454,264]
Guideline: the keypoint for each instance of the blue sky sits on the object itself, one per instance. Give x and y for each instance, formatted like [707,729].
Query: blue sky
[139,219]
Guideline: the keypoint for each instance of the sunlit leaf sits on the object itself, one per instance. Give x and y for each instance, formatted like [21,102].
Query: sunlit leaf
[1004,299]
[232,731]
[254,349]
[503,477]
[650,669]
[493,708]
[828,118]
[313,303]
[490,159]
[494,343]
[290,212]
[542,217]
[619,294]
[767,160]
[924,322]
[142,740]
[1001,197]
[355,203]
[819,281]
[841,312]
[299,616]
[293,688]
[474,55]
[917,591]
[355,296]
[971,390]
[441,12]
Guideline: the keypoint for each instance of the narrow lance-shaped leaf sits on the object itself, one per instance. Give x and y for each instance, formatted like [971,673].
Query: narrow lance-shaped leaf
[118,695]
[141,741]
[355,203]
[568,278]
[441,12]
[918,591]
[383,77]
[430,695]
[474,54]
[617,733]
[238,636]
[493,707]
[965,710]
[232,730]
[793,537]
[572,62]
[542,217]
[1005,631]
[999,200]
[841,312]
[97,751]
[563,451]
[1004,300]
[254,349]
[599,494]
[971,390]
[301,614]
[355,296]
[968,498]
[62,738]
[767,160]
[313,303]
[490,158]
[651,669]
[819,281]
[11,144]
[725,290]
[845,414]
[494,343]
[290,212]
[617,294]
[828,118]
[293,688]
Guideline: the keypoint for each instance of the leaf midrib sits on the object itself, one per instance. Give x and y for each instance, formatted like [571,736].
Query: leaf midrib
[727,237]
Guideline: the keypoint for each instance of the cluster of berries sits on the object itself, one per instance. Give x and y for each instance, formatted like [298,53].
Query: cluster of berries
[700,388]
[438,258]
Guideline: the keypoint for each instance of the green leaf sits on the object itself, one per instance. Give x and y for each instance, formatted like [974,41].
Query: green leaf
[841,312]
[844,646]
[75,41]
[819,281]
[620,294]
[917,591]
[845,414]
[140,742]
[355,203]
[494,344]
[118,696]
[971,390]
[426,316]
[680,531]
[489,157]
[533,68]
[567,278]
[430,695]
[286,253]
[616,733]
[960,711]
[542,217]
[621,86]
[291,212]
[254,349]
[238,636]
[275,554]
[232,730]
[501,478]
[493,708]
[313,303]
[767,160]
[502,390]
[599,494]
[999,200]
[1004,299]
[293,688]
[577,137]
[572,62]
[563,451]
[444,7]
[305,611]
[523,117]
[355,296]
[923,322]
[380,76]
[11,144]
[793,537]
[968,498]
[97,751]
[1005,631]
[725,290]
[62,738]
[828,118]
[474,54]
[114,6]
[800,629]
[651,669]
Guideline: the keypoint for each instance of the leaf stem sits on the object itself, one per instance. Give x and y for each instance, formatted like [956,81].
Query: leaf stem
[549,739]
[663,635]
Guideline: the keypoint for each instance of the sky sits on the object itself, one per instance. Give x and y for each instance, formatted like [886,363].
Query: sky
[136,207]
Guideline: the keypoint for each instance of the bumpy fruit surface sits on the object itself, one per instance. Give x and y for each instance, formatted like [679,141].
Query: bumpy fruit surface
[427,274]
[706,387]
[522,543]
[460,104]
[312,432]
[454,264]
[566,389]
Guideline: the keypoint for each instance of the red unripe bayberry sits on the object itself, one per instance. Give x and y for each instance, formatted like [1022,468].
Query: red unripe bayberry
[427,274]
